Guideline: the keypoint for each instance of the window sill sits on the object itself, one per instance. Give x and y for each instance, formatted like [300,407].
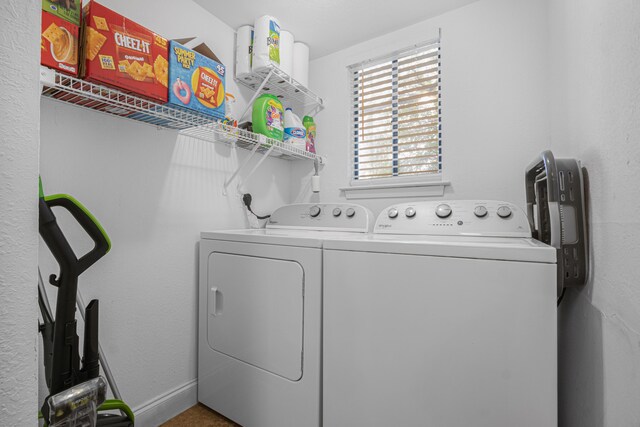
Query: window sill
[383,191]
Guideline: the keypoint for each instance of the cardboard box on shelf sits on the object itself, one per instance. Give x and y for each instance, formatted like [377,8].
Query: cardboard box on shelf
[59,44]
[121,53]
[69,10]
[196,78]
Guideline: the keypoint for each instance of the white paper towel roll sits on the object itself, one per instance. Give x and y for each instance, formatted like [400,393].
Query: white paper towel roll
[286,52]
[301,63]
[244,46]
[266,42]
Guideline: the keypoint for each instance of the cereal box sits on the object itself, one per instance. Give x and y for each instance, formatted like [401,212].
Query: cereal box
[69,10]
[120,53]
[59,44]
[196,79]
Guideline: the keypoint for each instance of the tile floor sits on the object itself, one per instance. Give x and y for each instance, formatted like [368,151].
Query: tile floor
[199,416]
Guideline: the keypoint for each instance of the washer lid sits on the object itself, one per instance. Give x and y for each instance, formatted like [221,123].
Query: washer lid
[493,248]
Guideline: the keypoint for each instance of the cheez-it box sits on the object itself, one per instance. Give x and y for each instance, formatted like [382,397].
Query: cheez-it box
[59,44]
[120,53]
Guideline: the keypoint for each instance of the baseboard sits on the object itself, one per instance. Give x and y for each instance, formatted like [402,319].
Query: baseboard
[167,405]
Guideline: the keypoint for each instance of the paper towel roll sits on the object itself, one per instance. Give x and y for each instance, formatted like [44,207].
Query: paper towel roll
[266,42]
[286,52]
[301,63]
[244,46]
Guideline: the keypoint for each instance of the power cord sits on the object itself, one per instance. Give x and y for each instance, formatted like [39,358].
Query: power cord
[561,297]
[246,198]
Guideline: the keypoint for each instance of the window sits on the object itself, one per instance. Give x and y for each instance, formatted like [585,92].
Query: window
[396,130]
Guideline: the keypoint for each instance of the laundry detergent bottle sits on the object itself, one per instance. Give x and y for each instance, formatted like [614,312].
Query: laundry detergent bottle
[310,126]
[267,116]
[294,131]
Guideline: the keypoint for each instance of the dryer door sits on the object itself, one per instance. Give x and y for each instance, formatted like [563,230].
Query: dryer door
[255,311]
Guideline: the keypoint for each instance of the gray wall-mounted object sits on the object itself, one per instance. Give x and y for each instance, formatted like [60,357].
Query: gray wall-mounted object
[556,207]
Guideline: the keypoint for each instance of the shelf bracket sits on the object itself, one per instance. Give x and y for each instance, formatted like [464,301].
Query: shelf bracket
[235,173]
[256,94]
[315,110]
[256,166]
[245,163]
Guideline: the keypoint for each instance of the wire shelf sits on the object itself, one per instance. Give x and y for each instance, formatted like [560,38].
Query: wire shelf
[248,140]
[70,90]
[291,93]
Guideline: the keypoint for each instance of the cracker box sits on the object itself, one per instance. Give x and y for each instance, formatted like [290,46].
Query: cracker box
[196,79]
[120,53]
[59,44]
[69,10]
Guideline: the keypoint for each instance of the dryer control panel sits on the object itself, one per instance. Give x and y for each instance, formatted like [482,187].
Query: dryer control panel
[454,218]
[323,216]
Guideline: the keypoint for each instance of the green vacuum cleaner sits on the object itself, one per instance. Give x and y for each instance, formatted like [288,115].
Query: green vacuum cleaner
[77,393]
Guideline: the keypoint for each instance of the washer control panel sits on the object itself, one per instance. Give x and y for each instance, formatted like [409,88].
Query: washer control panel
[323,216]
[454,217]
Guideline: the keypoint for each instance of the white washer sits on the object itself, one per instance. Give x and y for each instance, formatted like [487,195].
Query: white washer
[259,358]
[445,316]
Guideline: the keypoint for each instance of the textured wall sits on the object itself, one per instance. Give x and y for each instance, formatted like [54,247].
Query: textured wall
[595,117]
[19,139]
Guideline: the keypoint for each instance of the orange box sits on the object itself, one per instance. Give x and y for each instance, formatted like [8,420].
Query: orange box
[59,44]
[121,53]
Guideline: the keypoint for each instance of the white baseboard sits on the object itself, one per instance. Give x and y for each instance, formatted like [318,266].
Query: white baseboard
[167,405]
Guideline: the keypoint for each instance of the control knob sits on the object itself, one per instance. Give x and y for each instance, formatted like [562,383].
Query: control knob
[337,212]
[480,211]
[350,212]
[443,211]
[314,211]
[393,213]
[410,212]
[504,212]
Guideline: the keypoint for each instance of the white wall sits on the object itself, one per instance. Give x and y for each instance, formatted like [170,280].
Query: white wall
[153,192]
[595,115]
[505,99]
[494,98]
[19,140]
[559,74]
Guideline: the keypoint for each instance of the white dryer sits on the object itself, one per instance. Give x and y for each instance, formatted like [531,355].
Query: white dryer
[445,316]
[260,315]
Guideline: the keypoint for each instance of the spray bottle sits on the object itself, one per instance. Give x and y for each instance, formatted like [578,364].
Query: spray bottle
[310,126]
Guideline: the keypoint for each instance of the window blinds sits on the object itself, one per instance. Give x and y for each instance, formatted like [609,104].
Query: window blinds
[396,114]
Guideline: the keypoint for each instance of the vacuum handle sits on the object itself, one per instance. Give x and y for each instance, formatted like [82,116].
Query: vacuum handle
[89,223]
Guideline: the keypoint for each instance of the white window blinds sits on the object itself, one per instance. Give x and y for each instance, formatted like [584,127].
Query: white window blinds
[396,114]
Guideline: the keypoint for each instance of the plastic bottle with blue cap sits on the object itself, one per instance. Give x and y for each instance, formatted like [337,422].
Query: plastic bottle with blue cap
[294,132]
